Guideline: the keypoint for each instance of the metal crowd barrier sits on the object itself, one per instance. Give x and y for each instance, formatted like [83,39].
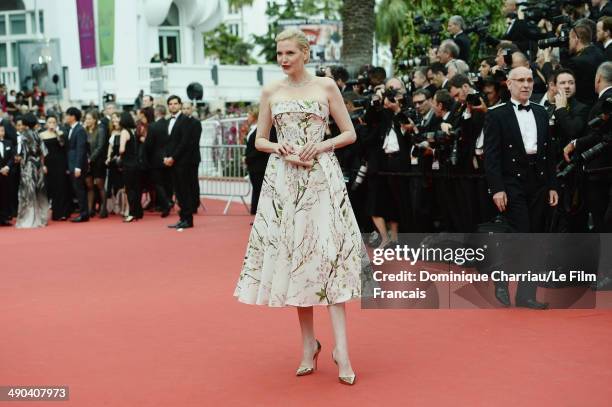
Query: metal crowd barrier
[222,172]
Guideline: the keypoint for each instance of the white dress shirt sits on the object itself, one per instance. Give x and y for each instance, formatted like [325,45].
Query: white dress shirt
[1,148]
[604,91]
[391,145]
[172,121]
[528,127]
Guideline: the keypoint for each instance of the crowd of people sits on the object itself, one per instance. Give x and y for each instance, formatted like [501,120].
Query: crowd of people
[98,164]
[432,152]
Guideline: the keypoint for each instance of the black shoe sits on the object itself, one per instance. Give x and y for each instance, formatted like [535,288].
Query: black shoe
[502,295]
[531,303]
[103,214]
[5,223]
[605,284]
[79,219]
[176,225]
[184,225]
[165,212]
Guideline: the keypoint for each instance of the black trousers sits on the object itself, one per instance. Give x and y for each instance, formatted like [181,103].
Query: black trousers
[528,203]
[421,192]
[257,179]
[78,186]
[599,202]
[5,209]
[13,189]
[195,183]
[133,186]
[162,180]
[182,177]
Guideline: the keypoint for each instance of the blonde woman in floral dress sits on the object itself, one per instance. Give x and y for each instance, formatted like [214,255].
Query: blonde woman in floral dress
[305,248]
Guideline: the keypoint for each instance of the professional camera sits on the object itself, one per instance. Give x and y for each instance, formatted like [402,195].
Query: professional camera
[598,124]
[407,114]
[432,28]
[474,99]
[562,41]
[420,59]
[479,26]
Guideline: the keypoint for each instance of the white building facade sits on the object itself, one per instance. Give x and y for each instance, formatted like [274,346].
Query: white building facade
[143,28]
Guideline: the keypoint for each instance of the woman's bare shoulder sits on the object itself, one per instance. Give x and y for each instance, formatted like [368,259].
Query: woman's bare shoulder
[271,88]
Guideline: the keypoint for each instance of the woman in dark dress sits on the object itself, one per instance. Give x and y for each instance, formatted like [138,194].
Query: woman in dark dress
[132,171]
[56,161]
[97,140]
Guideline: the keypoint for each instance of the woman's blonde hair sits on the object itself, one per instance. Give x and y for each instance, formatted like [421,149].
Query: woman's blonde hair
[298,36]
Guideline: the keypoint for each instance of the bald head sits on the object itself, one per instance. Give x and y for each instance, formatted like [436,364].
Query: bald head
[520,84]
[394,83]
[519,59]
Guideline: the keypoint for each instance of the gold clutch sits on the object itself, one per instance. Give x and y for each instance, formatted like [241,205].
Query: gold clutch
[295,160]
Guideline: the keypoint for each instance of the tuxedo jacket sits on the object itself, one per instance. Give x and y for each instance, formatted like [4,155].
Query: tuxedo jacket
[8,149]
[463,41]
[195,132]
[506,163]
[584,65]
[156,142]
[256,160]
[9,131]
[77,148]
[593,137]
[179,143]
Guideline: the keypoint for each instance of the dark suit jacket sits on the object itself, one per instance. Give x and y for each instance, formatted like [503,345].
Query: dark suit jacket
[585,65]
[155,143]
[463,41]
[506,162]
[596,14]
[608,52]
[77,148]
[256,160]
[570,123]
[8,149]
[179,144]
[9,131]
[195,134]
[379,125]
[593,137]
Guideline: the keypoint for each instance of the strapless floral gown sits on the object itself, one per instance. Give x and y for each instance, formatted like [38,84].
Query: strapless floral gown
[305,247]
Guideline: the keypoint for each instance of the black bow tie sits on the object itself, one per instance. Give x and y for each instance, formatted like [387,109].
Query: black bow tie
[524,107]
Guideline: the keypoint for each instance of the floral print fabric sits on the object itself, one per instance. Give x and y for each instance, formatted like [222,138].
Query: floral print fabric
[305,247]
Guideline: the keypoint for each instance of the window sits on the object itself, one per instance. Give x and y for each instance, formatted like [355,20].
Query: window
[169,45]
[15,50]
[2,25]
[234,29]
[3,58]
[170,36]
[17,23]
[11,5]
[41,22]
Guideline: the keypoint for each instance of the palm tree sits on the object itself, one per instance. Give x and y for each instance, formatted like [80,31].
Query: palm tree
[358,33]
[390,21]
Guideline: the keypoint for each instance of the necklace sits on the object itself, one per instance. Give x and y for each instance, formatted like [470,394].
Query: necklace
[299,84]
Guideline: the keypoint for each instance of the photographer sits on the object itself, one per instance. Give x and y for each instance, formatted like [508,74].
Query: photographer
[388,152]
[519,31]
[600,8]
[470,125]
[604,35]
[491,89]
[455,27]
[437,75]
[421,158]
[341,76]
[584,60]
[420,81]
[570,116]
[447,51]
[599,185]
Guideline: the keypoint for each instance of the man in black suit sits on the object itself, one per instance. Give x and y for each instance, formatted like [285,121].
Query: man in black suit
[9,131]
[77,160]
[604,35]
[195,132]
[256,161]
[520,169]
[600,8]
[599,186]
[179,158]
[7,160]
[155,145]
[584,62]
[455,27]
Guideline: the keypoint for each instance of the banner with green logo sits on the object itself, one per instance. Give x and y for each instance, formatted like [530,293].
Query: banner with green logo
[106,31]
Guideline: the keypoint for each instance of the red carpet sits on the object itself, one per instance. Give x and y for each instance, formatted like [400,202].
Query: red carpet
[141,315]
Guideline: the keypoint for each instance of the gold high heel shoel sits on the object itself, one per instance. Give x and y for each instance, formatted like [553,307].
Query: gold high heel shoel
[304,371]
[348,380]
